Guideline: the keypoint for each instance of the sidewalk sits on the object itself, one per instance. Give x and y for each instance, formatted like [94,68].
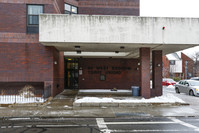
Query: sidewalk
[62,106]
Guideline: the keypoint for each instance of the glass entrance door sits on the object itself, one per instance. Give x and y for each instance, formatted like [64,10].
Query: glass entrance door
[71,73]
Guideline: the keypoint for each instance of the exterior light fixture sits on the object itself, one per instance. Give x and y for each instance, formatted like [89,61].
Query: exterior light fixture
[79,51]
[163,28]
[55,62]
[77,47]
[138,63]
[116,52]
[158,65]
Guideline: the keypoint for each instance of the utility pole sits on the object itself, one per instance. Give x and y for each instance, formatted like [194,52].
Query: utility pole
[186,69]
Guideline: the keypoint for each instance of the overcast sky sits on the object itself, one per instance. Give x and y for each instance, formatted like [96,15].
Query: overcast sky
[171,8]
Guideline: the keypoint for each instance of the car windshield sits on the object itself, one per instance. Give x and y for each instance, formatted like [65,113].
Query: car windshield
[194,83]
[170,80]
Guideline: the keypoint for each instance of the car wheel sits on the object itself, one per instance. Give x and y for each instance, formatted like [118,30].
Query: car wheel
[177,91]
[191,93]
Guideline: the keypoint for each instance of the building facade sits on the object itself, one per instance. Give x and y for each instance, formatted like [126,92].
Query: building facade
[178,66]
[94,44]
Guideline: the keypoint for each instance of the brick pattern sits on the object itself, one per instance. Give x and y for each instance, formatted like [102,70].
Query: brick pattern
[29,63]
[23,62]
[59,6]
[12,17]
[166,67]
[145,72]
[72,2]
[157,72]
[123,80]
[190,65]
[109,7]
[27,1]
[9,37]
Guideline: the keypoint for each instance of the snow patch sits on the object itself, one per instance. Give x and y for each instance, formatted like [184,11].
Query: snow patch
[66,106]
[103,90]
[19,119]
[171,87]
[168,98]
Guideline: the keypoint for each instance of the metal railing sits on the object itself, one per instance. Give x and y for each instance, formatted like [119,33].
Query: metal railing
[11,96]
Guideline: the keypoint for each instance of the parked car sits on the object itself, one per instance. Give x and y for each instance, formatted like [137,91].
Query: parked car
[168,81]
[190,87]
[195,78]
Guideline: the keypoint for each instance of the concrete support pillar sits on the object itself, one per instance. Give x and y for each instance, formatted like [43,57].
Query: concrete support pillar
[157,73]
[145,72]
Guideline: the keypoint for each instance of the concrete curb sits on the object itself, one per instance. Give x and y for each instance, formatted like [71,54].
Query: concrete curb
[126,104]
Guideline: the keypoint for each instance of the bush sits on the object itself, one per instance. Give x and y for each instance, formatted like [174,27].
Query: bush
[27,91]
[177,79]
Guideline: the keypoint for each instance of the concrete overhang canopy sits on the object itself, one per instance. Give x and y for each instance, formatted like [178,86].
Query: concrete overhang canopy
[109,33]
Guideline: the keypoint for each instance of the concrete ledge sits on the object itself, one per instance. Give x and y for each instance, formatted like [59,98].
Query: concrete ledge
[109,104]
[77,104]
[90,104]
[134,104]
[126,104]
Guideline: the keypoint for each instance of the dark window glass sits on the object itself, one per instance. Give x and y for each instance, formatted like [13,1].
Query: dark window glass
[69,9]
[33,12]
[172,62]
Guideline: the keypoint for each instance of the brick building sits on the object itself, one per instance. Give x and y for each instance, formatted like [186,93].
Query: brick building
[175,65]
[85,49]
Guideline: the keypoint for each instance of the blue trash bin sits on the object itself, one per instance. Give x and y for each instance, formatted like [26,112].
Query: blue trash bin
[135,90]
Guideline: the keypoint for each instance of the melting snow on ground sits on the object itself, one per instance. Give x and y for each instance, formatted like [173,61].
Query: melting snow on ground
[11,99]
[103,90]
[168,98]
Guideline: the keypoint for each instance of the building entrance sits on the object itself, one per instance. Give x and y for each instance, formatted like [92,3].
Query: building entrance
[71,73]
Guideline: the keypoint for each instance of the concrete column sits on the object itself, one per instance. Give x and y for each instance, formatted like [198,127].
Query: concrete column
[145,72]
[157,73]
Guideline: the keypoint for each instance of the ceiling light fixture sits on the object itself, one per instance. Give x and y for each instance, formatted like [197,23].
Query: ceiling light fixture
[77,47]
[122,47]
[79,52]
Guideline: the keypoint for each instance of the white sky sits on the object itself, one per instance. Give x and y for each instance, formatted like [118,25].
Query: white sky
[171,8]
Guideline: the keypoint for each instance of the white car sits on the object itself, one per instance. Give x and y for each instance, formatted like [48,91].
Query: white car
[190,87]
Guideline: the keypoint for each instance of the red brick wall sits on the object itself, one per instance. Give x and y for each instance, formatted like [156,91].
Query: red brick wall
[25,62]
[12,17]
[109,7]
[72,2]
[22,58]
[60,5]
[166,68]
[190,64]
[124,80]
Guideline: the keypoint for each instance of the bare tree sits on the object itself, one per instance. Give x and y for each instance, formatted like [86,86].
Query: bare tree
[195,57]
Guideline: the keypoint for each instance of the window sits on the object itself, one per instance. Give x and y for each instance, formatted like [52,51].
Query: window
[172,62]
[102,77]
[33,12]
[69,9]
